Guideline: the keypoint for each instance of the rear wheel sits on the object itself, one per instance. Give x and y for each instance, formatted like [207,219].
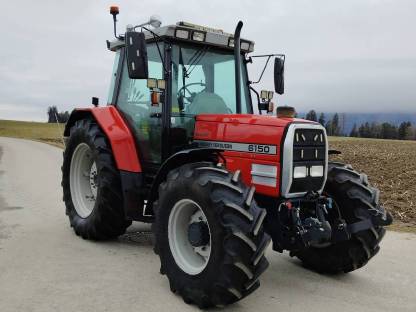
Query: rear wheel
[356,201]
[209,235]
[91,184]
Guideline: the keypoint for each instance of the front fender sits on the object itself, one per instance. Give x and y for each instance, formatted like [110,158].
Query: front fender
[176,160]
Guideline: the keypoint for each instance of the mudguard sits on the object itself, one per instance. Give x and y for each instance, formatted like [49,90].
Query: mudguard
[176,160]
[117,132]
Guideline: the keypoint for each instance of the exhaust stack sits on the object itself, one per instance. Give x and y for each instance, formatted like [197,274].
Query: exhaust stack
[237,57]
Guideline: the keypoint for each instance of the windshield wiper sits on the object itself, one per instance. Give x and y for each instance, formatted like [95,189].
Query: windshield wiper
[184,71]
[184,74]
[198,58]
[193,61]
[157,45]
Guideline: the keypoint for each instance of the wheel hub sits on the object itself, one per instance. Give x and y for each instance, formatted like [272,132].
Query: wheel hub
[198,234]
[189,236]
[93,180]
[83,179]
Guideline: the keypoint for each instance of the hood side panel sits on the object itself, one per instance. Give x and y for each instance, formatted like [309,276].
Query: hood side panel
[246,145]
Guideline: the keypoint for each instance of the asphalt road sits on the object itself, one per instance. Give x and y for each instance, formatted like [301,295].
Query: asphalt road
[45,267]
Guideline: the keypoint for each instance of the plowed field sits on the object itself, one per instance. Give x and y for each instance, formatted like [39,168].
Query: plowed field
[390,166]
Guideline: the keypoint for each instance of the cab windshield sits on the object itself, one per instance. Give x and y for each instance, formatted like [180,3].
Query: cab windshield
[203,82]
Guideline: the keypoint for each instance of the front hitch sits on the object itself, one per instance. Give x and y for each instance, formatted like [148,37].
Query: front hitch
[303,223]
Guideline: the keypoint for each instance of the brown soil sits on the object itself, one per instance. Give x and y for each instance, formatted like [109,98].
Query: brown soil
[390,166]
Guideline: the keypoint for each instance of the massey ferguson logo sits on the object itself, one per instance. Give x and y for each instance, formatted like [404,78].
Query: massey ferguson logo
[227,146]
[239,147]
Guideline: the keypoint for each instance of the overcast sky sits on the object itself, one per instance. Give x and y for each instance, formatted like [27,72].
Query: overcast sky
[345,56]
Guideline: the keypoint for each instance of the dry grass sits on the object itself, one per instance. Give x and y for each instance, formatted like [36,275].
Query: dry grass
[38,131]
[390,164]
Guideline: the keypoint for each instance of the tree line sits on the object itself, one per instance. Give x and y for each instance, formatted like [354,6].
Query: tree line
[335,126]
[385,130]
[55,116]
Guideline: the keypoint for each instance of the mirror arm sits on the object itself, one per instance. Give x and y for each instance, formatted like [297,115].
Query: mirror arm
[264,69]
[248,60]
[152,32]
[258,98]
[157,45]
[269,56]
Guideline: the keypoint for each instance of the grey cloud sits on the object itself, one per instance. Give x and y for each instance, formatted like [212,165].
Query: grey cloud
[349,55]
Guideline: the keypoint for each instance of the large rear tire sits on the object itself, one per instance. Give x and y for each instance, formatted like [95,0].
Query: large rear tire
[232,258]
[91,184]
[356,200]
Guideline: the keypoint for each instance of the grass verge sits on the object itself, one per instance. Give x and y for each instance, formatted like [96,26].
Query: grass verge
[37,131]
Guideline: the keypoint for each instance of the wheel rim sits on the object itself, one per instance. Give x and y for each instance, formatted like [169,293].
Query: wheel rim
[191,259]
[83,180]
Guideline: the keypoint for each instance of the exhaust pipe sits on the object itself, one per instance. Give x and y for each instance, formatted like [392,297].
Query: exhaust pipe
[237,59]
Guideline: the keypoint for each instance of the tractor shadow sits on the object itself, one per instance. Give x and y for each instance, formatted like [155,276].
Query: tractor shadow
[138,234]
[285,271]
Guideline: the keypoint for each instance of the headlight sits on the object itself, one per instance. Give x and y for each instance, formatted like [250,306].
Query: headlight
[300,172]
[245,45]
[182,33]
[317,171]
[198,36]
[151,83]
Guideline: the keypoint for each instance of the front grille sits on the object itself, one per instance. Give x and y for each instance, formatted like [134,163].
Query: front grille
[305,146]
[309,149]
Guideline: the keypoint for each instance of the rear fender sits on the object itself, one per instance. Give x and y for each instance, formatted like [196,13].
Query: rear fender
[115,128]
[124,151]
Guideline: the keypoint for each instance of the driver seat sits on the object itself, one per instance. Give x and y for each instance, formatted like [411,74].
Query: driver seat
[208,103]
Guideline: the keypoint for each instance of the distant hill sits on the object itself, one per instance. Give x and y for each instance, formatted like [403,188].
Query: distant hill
[360,118]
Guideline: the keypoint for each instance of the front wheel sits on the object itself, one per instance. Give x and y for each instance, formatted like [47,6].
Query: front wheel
[356,200]
[209,235]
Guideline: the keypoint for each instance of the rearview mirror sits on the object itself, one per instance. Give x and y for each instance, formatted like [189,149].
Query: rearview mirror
[279,69]
[136,55]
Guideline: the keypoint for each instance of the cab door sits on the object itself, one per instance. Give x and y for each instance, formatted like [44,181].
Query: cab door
[134,101]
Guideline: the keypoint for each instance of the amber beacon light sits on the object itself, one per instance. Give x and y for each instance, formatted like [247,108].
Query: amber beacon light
[114,10]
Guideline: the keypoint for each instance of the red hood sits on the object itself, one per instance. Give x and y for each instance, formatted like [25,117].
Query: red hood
[242,128]
[262,120]
[246,140]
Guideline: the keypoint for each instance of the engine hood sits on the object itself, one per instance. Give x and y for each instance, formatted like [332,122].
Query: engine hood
[242,128]
[253,144]
[261,120]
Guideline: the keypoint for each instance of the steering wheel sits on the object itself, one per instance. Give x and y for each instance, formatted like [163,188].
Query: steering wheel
[181,95]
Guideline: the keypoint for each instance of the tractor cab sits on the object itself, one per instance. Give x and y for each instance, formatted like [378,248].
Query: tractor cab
[186,70]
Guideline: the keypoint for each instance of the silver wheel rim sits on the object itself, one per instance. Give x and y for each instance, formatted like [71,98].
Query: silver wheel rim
[83,180]
[192,260]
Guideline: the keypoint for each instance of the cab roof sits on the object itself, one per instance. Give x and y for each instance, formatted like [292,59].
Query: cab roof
[187,32]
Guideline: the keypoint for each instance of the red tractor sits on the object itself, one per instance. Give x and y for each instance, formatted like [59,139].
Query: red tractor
[179,146]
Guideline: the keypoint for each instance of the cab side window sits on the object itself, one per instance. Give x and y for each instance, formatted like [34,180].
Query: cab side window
[135,103]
